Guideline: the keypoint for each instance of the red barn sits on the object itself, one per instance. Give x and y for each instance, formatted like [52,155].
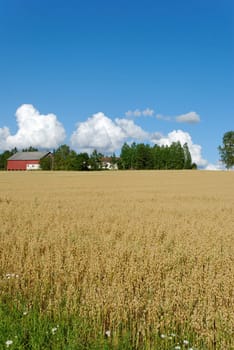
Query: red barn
[26,160]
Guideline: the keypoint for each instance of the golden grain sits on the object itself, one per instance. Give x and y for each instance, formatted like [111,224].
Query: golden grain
[132,249]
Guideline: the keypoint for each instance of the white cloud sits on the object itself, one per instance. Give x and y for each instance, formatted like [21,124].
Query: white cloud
[34,129]
[183,137]
[101,133]
[131,129]
[155,136]
[98,132]
[191,118]
[148,112]
[218,166]
[138,113]
[4,133]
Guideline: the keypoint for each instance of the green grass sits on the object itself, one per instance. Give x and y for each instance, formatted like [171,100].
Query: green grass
[33,329]
[37,330]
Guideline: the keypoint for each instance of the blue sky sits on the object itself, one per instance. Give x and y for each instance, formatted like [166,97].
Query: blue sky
[116,71]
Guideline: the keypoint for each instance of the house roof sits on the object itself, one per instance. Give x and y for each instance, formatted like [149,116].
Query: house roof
[109,159]
[28,155]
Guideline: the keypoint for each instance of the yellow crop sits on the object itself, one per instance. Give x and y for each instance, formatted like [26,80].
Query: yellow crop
[141,250]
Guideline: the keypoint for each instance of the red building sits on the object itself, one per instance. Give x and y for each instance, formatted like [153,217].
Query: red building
[26,160]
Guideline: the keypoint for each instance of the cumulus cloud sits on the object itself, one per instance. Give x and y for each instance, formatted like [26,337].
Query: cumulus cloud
[107,136]
[138,113]
[183,137]
[131,130]
[101,133]
[98,132]
[191,118]
[155,136]
[34,129]
[4,133]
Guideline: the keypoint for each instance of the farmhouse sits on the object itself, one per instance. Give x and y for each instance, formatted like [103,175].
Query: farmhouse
[108,164]
[26,160]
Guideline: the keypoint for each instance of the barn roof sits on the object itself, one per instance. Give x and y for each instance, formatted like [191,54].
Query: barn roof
[28,155]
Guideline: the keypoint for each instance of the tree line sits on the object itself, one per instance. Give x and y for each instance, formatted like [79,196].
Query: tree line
[143,156]
[135,156]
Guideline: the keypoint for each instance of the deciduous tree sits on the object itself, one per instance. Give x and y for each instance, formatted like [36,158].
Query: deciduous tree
[227,149]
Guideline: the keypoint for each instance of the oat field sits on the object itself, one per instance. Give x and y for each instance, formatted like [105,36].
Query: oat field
[117,260]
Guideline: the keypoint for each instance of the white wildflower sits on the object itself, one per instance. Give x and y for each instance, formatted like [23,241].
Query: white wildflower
[185,342]
[108,334]
[25,313]
[11,275]
[177,347]
[54,330]
[163,336]
[8,343]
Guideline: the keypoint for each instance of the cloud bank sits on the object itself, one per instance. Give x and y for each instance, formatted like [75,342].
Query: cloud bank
[34,129]
[107,136]
[102,133]
[97,132]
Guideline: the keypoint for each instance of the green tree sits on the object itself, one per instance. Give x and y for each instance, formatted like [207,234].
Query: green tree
[140,156]
[62,158]
[165,156]
[157,157]
[82,162]
[46,163]
[133,154]
[125,157]
[194,166]
[95,160]
[174,156]
[14,150]
[30,149]
[71,160]
[187,158]
[180,157]
[3,159]
[227,149]
[144,157]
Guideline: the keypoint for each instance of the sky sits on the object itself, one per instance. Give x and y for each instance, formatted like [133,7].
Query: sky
[94,74]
